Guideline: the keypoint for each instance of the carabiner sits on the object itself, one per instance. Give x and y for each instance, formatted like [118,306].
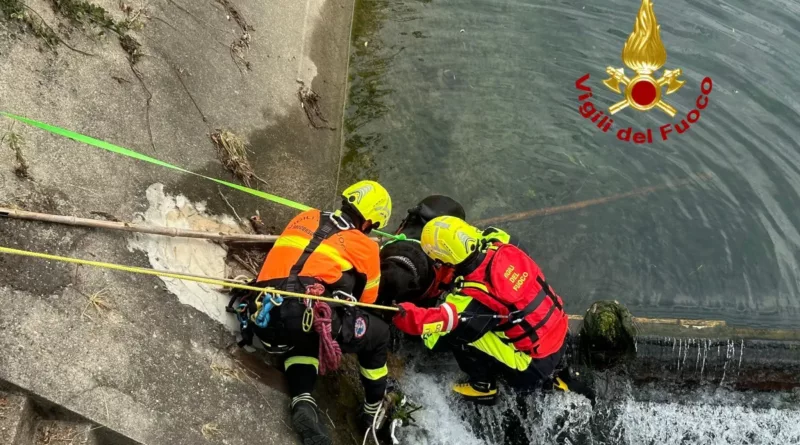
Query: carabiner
[341,295]
[259,301]
[262,317]
[341,223]
[308,319]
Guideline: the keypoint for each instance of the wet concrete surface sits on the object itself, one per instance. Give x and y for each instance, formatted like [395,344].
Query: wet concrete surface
[143,364]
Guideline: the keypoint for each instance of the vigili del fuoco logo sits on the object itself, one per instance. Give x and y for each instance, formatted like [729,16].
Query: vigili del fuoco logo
[644,53]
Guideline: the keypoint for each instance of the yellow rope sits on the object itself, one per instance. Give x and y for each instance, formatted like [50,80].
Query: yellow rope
[208,280]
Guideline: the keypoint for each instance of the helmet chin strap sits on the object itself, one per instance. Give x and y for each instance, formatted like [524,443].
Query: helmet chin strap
[352,214]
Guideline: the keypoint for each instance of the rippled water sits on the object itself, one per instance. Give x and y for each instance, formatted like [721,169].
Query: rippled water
[477,99]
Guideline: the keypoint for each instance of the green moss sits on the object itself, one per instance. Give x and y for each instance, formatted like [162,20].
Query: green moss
[15,141]
[608,334]
[85,13]
[12,9]
[608,325]
[81,13]
[16,11]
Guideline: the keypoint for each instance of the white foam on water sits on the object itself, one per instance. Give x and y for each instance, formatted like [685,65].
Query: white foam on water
[438,423]
[445,420]
[187,255]
[707,416]
[681,424]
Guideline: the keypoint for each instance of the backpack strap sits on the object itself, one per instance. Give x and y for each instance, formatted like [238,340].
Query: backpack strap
[519,316]
[328,227]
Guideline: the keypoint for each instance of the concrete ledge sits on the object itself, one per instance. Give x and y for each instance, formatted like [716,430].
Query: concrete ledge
[143,364]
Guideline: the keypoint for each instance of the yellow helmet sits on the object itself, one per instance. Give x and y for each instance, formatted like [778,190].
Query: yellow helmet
[449,239]
[371,200]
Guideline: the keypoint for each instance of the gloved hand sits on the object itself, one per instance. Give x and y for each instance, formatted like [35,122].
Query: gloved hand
[401,310]
[415,320]
[406,318]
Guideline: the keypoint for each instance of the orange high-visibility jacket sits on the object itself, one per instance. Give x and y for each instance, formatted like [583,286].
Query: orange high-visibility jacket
[345,252]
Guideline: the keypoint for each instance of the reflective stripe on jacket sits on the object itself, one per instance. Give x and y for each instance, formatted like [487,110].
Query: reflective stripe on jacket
[346,251]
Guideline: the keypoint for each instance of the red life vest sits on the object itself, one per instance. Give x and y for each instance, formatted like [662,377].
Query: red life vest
[510,283]
[443,277]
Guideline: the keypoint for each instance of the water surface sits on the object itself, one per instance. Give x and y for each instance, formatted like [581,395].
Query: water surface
[477,99]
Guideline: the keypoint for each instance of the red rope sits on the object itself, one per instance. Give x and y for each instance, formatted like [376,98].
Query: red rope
[330,353]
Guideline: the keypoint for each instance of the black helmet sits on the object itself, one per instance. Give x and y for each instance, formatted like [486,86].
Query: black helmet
[427,209]
[438,205]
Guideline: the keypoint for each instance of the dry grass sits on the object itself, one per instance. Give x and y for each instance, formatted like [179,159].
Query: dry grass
[239,49]
[15,141]
[3,407]
[310,101]
[132,47]
[224,371]
[136,16]
[232,151]
[62,436]
[210,431]
[97,301]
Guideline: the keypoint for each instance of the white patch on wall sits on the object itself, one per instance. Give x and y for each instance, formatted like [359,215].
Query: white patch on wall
[187,255]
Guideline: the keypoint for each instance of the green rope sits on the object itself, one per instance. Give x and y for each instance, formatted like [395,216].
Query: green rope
[142,157]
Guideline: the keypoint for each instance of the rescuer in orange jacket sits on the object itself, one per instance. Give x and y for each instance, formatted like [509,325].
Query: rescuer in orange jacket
[500,319]
[331,251]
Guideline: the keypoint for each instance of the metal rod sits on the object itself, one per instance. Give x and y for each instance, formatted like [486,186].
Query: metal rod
[133,227]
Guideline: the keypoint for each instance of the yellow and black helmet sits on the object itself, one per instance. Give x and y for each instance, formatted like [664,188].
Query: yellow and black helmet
[372,202]
[449,239]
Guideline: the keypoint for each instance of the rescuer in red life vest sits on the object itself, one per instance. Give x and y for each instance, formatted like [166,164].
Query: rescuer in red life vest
[500,319]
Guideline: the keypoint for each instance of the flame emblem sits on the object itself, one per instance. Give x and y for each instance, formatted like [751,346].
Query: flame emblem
[644,53]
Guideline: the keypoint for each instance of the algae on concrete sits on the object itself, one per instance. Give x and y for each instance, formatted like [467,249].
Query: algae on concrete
[15,141]
[367,87]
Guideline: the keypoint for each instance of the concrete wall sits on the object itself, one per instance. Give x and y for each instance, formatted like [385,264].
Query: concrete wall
[144,366]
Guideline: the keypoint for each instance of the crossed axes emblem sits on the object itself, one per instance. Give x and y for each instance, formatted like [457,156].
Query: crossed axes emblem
[670,79]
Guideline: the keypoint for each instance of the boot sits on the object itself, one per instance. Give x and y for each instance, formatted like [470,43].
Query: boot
[567,380]
[484,393]
[366,415]
[307,422]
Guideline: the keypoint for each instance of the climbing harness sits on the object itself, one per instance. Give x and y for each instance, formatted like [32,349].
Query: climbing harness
[194,278]
[329,225]
[142,157]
